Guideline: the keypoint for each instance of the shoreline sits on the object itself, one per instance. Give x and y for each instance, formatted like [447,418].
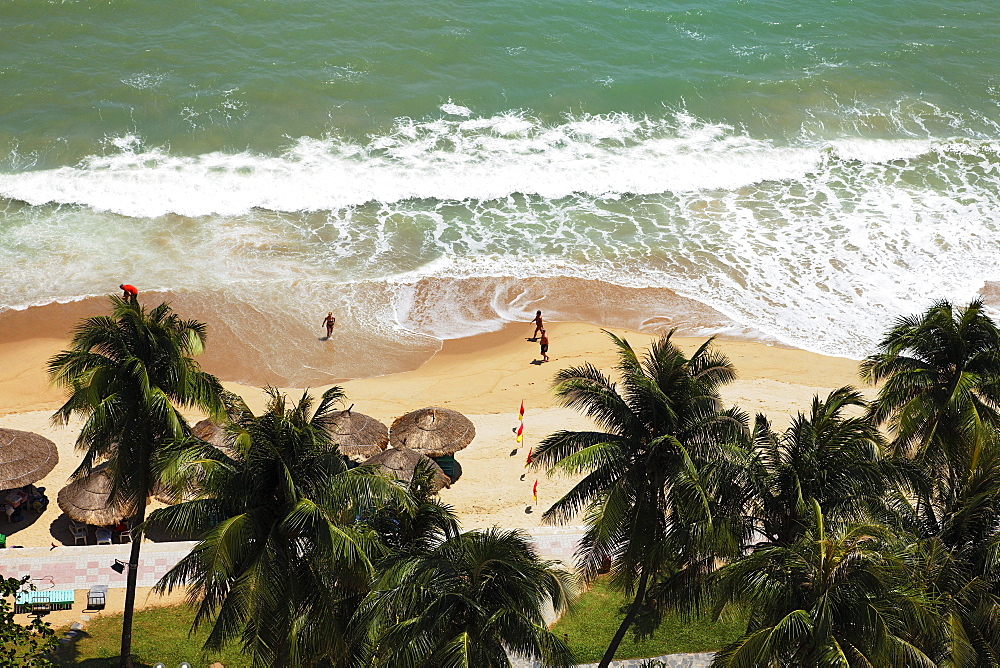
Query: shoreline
[382,329]
[30,337]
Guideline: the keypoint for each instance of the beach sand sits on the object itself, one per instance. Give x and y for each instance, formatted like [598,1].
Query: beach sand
[485,376]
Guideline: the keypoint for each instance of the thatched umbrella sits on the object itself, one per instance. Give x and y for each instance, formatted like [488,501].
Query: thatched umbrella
[211,432]
[25,457]
[86,500]
[432,431]
[359,453]
[353,428]
[400,463]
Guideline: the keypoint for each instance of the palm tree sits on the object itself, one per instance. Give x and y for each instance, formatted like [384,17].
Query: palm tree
[648,489]
[824,456]
[941,392]
[416,528]
[828,600]
[283,560]
[129,374]
[471,600]
[941,401]
[954,551]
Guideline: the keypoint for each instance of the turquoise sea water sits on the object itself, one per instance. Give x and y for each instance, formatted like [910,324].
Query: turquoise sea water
[805,170]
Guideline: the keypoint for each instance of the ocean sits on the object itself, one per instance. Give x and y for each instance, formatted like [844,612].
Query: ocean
[795,172]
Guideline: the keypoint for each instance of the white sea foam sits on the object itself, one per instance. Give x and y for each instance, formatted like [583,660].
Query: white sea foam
[819,244]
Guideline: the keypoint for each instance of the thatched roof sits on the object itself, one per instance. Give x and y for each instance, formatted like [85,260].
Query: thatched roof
[86,500]
[25,457]
[210,431]
[359,453]
[353,428]
[432,431]
[400,463]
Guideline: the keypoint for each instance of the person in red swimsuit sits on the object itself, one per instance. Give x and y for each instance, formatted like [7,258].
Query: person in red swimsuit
[129,291]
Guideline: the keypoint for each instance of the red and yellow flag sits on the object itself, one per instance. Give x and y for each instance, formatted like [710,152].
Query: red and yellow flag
[534,492]
[520,431]
[528,462]
[520,414]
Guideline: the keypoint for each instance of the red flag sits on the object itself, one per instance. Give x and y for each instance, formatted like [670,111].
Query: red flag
[534,492]
[527,463]
[520,431]
[520,415]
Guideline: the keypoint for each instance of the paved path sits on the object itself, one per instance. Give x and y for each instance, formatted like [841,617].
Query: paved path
[80,566]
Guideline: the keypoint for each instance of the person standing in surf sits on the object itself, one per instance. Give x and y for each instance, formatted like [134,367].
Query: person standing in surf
[538,326]
[329,321]
[129,292]
[543,345]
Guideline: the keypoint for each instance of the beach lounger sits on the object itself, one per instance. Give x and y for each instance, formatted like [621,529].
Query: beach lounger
[97,597]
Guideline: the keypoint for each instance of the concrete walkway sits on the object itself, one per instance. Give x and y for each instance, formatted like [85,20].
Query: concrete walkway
[81,566]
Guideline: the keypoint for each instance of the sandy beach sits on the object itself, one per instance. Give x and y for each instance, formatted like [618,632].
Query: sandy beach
[485,376]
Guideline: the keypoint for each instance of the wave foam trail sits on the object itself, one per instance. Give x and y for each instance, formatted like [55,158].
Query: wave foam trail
[455,159]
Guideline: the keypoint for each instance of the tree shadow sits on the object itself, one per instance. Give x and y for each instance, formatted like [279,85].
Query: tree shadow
[157,533]
[68,654]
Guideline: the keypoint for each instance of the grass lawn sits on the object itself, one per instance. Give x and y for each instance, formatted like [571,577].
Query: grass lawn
[158,634]
[595,617]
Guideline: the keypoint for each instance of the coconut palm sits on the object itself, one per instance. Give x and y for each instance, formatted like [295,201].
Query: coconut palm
[955,553]
[648,489]
[128,375]
[283,560]
[472,600]
[941,401]
[844,599]
[941,391]
[825,456]
[418,527]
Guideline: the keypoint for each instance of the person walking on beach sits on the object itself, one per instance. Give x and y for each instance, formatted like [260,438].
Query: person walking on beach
[543,344]
[538,326]
[329,321]
[129,292]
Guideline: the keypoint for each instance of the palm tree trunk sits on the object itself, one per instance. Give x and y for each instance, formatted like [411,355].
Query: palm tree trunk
[125,659]
[633,610]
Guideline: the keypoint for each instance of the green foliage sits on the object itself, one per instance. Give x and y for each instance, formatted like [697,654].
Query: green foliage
[22,645]
[284,561]
[129,374]
[467,601]
[649,491]
[826,456]
[940,396]
[844,599]
[593,618]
